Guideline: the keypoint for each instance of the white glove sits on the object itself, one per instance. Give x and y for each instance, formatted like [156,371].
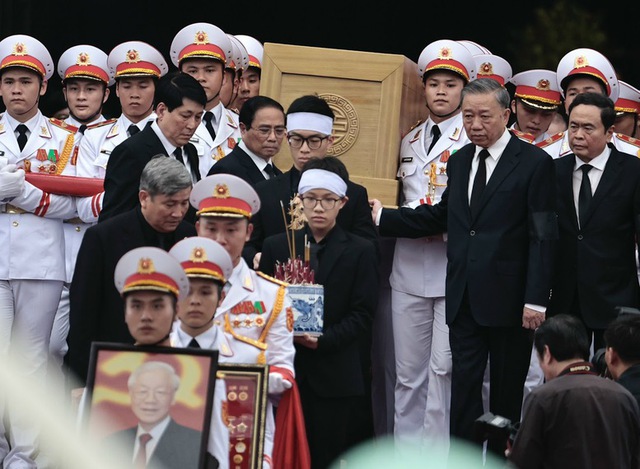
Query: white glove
[11,182]
[277,383]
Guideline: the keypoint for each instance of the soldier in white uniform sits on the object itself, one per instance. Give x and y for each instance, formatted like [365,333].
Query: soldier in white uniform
[203,51]
[249,85]
[153,278]
[535,102]
[136,67]
[85,83]
[627,109]
[579,71]
[256,311]
[32,266]
[421,336]
[233,70]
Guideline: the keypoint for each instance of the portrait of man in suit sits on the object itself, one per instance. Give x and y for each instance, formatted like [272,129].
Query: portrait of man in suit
[157,439]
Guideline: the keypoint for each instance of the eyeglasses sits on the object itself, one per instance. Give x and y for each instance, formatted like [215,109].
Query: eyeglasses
[264,132]
[314,142]
[311,202]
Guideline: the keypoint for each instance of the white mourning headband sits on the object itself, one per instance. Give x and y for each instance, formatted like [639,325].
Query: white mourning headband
[310,121]
[322,179]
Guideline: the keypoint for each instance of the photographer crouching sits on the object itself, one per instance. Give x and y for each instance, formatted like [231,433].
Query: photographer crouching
[576,419]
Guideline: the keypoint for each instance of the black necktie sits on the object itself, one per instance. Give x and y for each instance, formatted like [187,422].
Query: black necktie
[480,181]
[22,135]
[193,343]
[178,154]
[269,170]
[584,197]
[133,129]
[435,135]
[208,123]
[82,128]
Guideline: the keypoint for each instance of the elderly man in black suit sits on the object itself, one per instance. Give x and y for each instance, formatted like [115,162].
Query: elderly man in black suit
[599,218]
[180,102]
[262,126]
[499,215]
[96,308]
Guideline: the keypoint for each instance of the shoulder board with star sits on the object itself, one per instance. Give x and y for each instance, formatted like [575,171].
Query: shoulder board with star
[100,124]
[632,141]
[63,125]
[231,122]
[527,137]
[550,140]
[272,279]
[420,121]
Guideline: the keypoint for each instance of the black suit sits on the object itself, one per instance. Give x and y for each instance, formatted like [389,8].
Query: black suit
[179,447]
[354,217]
[240,164]
[595,268]
[125,166]
[96,308]
[335,379]
[498,260]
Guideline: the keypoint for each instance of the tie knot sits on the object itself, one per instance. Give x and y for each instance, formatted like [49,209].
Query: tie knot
[144,438]
[269,170]
[133,129]
[82,128]
[484,154]
[22,129]
[194,343]
[208,116]
[586,168]
[435,131]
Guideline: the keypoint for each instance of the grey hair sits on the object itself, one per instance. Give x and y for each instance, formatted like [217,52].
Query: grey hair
[164,176]
[487,86]
[154,366]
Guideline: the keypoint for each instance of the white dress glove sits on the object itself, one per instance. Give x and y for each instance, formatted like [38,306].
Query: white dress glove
[11,182]
[277,383]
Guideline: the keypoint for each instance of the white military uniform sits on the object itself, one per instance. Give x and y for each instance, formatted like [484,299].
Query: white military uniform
[93,155]
[258,337]
[421,335]
[227,137]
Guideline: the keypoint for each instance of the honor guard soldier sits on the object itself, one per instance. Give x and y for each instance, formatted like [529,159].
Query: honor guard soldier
[32,265]
[256,309]
[494,67]
[234,69]
[627,109]
[136,67]
[250,80]
[203,51]
[152,283]
[536,101]
[86,79]
[579,71]
[421,337]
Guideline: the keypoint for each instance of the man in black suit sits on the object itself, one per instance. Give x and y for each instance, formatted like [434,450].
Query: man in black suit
[599,218]
[333,370]
[180,101]
[310,134]
[500,241]
[262,126]
[622,355]
[161,441]
[96,307]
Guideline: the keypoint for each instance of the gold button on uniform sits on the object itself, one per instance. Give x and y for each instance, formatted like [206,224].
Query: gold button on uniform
[15,224]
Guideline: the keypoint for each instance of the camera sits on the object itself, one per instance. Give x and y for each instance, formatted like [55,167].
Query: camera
[495,427]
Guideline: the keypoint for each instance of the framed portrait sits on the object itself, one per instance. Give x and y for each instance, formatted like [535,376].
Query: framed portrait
[246,386]
[151,404]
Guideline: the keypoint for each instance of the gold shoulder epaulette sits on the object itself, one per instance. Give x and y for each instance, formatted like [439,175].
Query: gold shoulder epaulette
[272,279]
[548,141]
[100,124]
[625,138]
[63,125]
[523,135]
[420,121]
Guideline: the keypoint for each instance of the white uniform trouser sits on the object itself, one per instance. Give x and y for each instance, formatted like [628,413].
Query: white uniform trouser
[423,367]
[27,309]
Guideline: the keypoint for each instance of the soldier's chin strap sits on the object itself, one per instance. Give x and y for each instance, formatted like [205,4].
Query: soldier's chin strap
[445,116]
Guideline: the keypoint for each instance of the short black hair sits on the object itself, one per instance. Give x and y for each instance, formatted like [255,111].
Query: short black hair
[623,335]
[328,163]
[173,88]
[565,335]
[253,105]
[607,108]
[311,103]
